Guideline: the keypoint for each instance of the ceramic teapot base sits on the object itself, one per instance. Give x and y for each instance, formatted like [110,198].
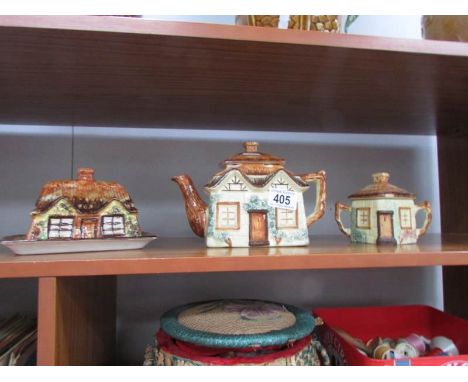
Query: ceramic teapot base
[245,242]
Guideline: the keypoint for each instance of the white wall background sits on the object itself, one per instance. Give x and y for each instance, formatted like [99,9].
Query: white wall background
[144,160]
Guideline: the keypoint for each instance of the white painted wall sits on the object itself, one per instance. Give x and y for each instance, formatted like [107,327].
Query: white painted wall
[388,26]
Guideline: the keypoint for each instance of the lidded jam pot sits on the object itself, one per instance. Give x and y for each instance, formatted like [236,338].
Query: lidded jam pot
[383,213]
[253,201]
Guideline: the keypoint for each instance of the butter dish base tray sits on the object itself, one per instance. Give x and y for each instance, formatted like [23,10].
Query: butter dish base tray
[20,246]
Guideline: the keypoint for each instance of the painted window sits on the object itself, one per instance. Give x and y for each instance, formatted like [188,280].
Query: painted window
[227,215]
[61,227]
[113,225]
[405,217]
[363,218]
[286,218]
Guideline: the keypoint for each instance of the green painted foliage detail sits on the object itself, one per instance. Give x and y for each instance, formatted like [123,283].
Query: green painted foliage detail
[42,225]
[358,236]
[211,232]
[65,207]
[132,227]
[255,203]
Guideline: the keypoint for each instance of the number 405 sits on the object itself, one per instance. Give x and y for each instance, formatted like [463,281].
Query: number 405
[282,199]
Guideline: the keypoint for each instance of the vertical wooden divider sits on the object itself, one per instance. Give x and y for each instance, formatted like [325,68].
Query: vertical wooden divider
[453,180]
[77,320]
[46,321]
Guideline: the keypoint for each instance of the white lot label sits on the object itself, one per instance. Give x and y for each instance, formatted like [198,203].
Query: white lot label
[282,199]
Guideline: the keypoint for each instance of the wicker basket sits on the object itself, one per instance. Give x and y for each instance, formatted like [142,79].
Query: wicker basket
[236,332]
[170,352]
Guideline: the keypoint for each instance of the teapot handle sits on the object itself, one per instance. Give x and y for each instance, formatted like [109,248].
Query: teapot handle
[339,208]
[321,194]
[426,206]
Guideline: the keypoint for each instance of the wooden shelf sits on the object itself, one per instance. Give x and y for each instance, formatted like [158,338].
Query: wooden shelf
[191,256]
[110,71]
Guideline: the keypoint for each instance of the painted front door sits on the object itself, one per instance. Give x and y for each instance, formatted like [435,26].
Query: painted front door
[88,228]
[385,227]
[258,234]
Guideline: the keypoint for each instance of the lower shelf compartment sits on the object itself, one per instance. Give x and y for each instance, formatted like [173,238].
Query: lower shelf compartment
[77,298]
[84,321]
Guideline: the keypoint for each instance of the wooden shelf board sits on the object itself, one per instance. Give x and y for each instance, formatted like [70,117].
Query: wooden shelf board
[191,256]
[111,71]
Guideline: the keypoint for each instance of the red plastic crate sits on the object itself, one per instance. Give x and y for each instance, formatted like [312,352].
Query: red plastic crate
[394,322]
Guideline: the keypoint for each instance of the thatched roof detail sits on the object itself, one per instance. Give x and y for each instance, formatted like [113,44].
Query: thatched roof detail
[255,181]
[85,194]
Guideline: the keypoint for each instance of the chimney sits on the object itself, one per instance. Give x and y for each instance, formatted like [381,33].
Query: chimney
[251,147]
[86,174]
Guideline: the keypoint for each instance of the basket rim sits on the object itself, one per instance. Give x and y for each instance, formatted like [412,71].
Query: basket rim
[303,327]
[169,346]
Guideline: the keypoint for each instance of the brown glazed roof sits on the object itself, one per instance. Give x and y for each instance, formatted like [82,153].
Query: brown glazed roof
[252,162]
[381,188]
[85,194]
[257,181]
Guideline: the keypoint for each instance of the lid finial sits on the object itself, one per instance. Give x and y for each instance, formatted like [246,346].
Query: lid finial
[381,177]
[251,147]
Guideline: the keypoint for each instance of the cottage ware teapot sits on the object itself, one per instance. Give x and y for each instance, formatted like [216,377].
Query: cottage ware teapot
[383,213]
[253,201]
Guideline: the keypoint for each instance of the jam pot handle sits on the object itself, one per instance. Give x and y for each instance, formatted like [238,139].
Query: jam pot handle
[339,208]
[426,206]
[321,194]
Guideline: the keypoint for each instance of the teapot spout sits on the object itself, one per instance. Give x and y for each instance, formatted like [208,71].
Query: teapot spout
[195,207]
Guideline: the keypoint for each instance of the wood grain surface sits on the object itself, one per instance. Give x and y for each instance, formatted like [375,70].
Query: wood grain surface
[77,321]
[453,179]
[47,321]
[110,71]
[191,256]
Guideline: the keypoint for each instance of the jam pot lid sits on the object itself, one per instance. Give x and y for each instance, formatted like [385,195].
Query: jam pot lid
[253,162]
[381,188]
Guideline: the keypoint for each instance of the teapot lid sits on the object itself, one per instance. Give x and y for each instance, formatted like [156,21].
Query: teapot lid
[253,162]
[381,188]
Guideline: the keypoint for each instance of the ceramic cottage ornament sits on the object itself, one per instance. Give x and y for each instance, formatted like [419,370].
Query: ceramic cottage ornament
[253,201]
[383,213]
[82,215]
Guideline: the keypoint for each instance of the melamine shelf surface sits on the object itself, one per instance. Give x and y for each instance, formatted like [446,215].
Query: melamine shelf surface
[189,255]
[111,71]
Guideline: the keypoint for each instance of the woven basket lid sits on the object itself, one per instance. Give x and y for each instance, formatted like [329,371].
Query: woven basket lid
[237,323]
